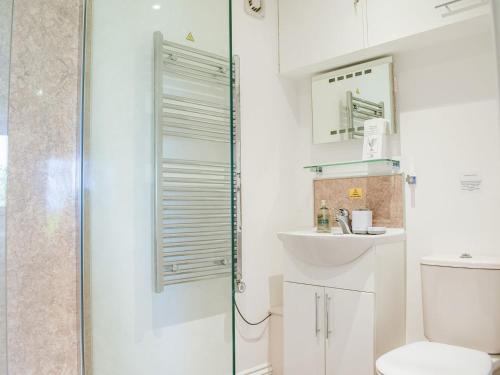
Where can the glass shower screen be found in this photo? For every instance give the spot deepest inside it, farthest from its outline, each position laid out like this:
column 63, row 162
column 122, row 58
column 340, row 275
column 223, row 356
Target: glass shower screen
column 158, row 229
column 5, row 37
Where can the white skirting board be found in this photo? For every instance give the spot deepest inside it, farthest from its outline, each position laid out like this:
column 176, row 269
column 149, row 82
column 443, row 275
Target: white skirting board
column 265, row 369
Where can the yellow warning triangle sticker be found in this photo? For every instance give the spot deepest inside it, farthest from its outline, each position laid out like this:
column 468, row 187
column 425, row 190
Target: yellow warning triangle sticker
column 355, row 193
column 190, row 37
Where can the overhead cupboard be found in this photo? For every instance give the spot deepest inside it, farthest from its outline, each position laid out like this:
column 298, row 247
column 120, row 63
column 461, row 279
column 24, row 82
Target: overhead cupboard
column 315, row 31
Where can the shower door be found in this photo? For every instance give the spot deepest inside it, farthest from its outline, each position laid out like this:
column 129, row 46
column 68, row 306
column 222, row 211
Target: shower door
column 158, row 229
column 5, row 37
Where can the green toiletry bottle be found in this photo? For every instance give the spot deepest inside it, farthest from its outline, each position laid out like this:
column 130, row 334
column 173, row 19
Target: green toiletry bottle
column 323, row 223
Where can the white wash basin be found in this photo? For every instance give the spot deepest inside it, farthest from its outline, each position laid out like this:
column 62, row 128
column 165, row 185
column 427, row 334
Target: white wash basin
column 333, row 249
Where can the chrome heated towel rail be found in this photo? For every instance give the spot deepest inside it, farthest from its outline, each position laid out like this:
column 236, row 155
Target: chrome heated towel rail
column 194, row 200
column 359, row 109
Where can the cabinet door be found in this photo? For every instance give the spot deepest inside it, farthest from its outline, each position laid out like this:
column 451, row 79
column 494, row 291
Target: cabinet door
column 389, row 20
column 349, row 319
column 303, row 329
column 312, row 31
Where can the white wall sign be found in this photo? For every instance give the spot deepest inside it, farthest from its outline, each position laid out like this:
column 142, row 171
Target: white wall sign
column 470, row 182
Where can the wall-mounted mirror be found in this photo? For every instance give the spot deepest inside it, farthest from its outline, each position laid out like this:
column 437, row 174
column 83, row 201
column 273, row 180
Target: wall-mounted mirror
column 343, row 99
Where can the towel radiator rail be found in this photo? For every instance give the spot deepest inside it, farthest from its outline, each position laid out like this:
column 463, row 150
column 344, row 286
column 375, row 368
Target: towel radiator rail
column 194, row 204
column 360, row 109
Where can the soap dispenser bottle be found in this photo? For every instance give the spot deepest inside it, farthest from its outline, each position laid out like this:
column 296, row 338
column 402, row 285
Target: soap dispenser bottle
column 324, row 224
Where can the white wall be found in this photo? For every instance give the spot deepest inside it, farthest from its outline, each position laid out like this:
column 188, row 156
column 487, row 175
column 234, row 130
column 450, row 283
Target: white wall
column 275, row 192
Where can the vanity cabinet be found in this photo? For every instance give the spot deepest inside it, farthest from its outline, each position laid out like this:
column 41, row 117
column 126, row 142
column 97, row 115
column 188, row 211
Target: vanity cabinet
column 317, row 31
column 340, row 316
column 328, row 331
column 350, row 332
column 303, row 329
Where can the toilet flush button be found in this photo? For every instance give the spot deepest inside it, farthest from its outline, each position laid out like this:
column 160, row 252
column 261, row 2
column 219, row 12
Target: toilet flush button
column 465, row 256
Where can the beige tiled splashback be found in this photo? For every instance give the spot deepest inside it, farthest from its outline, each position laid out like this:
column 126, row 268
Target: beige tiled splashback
column 381, row 194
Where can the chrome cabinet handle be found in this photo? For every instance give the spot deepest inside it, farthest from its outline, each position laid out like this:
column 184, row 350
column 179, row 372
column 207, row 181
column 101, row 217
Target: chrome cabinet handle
column 316, row 327
column 327, row 314
column 447, row 4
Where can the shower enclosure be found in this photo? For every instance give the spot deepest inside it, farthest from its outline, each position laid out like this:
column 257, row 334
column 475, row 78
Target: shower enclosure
column 160, row 183
column 5, row 38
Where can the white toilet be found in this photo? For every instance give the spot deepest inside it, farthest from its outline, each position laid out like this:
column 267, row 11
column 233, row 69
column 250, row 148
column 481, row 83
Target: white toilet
column 461, row 307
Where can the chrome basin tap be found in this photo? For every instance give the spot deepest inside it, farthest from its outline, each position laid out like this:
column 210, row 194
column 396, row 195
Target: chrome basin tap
column 342, row 217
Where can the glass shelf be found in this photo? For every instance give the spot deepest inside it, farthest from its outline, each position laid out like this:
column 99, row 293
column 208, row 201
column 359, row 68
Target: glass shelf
column 372, row 166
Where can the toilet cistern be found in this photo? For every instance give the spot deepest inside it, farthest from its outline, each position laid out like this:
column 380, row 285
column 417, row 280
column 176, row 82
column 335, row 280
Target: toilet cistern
column 456, row 288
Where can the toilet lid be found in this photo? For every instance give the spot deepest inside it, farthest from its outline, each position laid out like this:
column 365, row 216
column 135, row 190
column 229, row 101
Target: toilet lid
column 430, row 358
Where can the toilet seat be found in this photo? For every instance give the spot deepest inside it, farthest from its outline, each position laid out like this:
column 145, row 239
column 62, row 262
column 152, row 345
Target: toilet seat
column 495, row 359
column 430, row 358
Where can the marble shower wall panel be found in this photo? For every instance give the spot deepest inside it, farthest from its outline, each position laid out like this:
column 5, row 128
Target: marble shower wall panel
column 43, row 205
column 5, row 25
column 5, row 33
